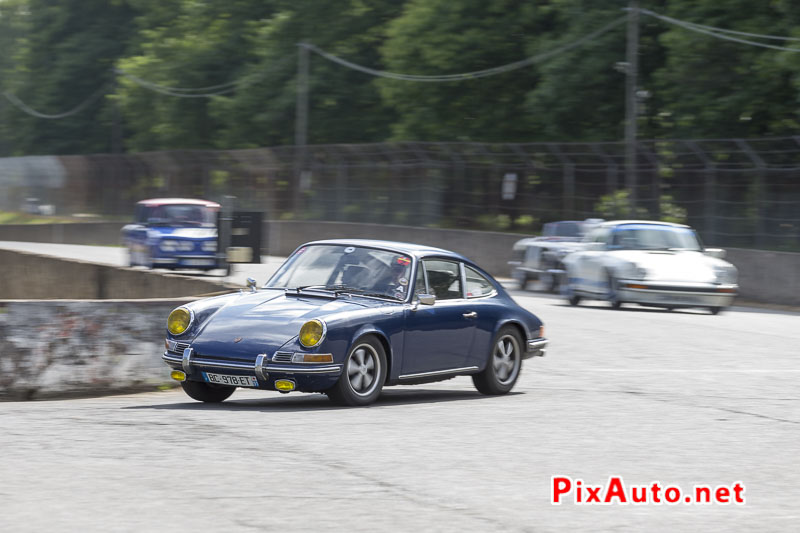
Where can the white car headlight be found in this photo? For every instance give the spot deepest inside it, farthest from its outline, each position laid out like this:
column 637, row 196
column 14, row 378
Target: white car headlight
column 209, row 246
column 726, row 274
column 185, row 246
column 633, row 271
column 168, row 246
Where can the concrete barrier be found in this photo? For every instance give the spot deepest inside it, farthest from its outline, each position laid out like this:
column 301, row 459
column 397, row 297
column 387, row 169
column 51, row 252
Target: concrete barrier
column 764, row 276
column 99, row 233
column 32, row 276
column 767, row 277
column 62, row 348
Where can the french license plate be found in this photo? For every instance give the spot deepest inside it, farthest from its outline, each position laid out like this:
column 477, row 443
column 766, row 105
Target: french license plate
column 198, row 262
column 235, row 381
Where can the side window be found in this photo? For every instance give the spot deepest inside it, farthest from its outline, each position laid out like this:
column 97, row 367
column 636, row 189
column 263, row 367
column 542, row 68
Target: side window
column 444, row 279
column 419, row 284
column 477, row 285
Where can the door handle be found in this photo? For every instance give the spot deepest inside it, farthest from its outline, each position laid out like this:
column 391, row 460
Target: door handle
column 471, row 314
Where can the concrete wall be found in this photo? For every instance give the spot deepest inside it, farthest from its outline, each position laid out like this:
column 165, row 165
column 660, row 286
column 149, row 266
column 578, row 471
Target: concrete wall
column 62, row 348
column 102, row 233
column 31, row 276
column 768, row 277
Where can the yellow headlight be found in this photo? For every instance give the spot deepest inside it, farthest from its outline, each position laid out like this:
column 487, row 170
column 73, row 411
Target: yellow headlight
column 311, row 333
column 179, row 321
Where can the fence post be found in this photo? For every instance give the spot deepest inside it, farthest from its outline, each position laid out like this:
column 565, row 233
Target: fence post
column 568, row 182
column 709, row 192
column 758, row 187
column 611, row 168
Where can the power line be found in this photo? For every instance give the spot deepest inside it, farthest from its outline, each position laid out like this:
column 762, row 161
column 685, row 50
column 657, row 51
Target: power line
column 77, row 109
column 721, row 33
column 468, row 75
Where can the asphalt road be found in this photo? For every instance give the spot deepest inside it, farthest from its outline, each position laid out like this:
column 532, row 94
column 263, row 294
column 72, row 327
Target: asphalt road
column 683, row 398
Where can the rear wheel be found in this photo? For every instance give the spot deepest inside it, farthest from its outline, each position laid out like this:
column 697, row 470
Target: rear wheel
column 715, row 310
column 363, row 374
column 207, row 392
column 505, row 362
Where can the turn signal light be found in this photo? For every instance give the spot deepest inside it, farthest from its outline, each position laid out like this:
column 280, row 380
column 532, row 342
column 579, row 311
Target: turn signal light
column 284, row 385
column 312, row 358
column 177, row 375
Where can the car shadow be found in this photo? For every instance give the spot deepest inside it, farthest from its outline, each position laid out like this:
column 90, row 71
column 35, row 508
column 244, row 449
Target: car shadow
column 320, row 402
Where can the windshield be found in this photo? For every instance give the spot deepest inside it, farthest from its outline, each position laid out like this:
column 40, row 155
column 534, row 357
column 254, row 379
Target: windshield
column 347, row 269
column 653, row 237
column 183, row 215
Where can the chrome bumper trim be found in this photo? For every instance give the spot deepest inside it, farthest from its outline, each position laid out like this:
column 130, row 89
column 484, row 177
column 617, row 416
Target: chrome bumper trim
column 259, row 368
column 536, row 347
column 440, row 372
column 285, row 369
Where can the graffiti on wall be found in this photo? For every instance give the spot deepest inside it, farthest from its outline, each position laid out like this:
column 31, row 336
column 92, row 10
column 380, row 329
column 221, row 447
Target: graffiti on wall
column 55, row 348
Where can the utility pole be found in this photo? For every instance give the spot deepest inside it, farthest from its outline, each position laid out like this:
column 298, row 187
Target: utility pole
column 301, row 123
column 631, row 111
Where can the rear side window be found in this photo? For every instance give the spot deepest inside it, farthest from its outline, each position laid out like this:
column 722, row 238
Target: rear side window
column 444, row 279
column 477, row 284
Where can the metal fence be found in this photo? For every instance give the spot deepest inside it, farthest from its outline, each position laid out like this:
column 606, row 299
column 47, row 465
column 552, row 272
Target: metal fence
column 736, row 192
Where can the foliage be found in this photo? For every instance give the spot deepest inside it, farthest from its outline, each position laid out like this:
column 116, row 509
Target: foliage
column 56, row 54
column 617, row 205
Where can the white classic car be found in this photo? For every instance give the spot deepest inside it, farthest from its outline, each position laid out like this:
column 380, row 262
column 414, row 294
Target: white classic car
column 650, row 263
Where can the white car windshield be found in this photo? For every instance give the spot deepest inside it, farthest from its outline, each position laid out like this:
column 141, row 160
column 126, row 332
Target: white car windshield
column 653, row 237
column 348, row 269
column 182, row 215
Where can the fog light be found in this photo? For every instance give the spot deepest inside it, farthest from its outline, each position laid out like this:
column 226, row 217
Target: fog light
column 284, row 385
column 177, row 375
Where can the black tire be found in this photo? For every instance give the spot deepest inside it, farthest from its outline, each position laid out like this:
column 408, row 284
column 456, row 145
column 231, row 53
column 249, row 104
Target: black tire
column 491, row 380
column 361, row 383
column 715, row 310
column 574, row 299
column 206, row 392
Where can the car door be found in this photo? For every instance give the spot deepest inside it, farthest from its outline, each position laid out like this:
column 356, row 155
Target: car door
column 592, row 271
column 438, row 337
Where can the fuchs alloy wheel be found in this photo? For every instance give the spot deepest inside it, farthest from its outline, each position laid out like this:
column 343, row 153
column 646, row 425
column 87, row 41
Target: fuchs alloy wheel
column 363, row 374
column 207, row 392
column 505, row 362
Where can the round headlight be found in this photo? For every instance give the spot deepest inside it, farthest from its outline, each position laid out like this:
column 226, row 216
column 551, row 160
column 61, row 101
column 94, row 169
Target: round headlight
column 210, row 246
column 168, row 246
column 312, row 333
column 179, row 321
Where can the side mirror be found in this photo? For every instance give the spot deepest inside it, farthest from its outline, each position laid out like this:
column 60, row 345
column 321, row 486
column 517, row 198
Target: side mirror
column 426, row 299
column 251, row 284
column 719, row 253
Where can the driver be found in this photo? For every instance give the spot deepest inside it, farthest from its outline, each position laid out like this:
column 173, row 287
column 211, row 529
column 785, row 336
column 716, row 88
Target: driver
column 394, row 280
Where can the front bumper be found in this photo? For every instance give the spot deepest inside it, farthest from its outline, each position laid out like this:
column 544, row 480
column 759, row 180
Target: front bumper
column 308, row 377
column 677, row 295
column 187, row 261
column 536, row 348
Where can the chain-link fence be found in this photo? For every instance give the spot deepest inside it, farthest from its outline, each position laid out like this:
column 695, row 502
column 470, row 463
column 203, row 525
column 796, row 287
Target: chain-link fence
column 736, row 192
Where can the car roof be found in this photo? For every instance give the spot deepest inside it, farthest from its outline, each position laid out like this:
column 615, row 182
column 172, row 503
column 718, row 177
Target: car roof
column 611, row 223
column 182, row 201
column 417, row 250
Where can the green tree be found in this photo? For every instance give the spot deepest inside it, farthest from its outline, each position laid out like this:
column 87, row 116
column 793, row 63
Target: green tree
column 446, row 37
column 65, row 57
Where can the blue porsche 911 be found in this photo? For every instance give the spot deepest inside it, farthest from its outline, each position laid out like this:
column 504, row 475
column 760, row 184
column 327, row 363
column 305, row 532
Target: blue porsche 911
column 348, row 317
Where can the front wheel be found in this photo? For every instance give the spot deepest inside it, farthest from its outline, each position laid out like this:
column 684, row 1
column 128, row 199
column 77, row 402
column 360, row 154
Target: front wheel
column 207, row 392
column 715, row 310
column 363, row 374
column 505, row 362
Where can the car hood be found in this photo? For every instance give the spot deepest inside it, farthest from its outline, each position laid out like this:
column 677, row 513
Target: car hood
column 262, row 322
column 675, row 265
